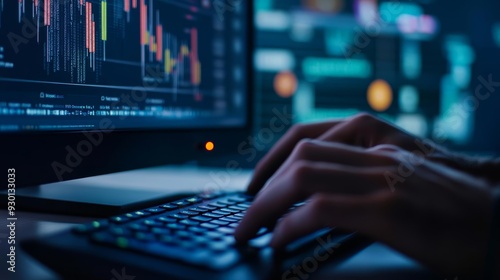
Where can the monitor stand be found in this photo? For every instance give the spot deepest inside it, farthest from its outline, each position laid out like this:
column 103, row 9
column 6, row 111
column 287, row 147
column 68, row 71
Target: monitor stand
column 113, row 194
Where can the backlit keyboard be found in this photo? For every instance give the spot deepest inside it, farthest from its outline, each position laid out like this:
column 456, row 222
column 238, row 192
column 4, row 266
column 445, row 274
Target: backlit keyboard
column 198, row 230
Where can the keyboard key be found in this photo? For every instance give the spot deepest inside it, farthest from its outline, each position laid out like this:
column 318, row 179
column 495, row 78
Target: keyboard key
column 132, row 216
column 218, row 246
column 261, row 241
column 238, row 199
column 200, row 240
column 138, row 227
column 169, row 206
column 187, row 244
column 226, row 202
column 226, row 230
column 143, row 236
column 262, row 231
column 229, row 219
column 209, row 226
column 176, row 226
column 237, row 218
column 229, row 211
column 234, row 225
column 119, row 231
column 182, row 203
column 178, row 216
column 156, row 210
column 168, row 239
column 94, row 226
column 103, row 237
column 208, row 195
column 201, row 218
column 220, row 223
column 229, row 240
column 152, row 223
column 119, row 219
column 217, row 205
column 214, row 234
column 207, row 207
column 194, row 200
column 241, row 215
column 239, row 208
column 160, row 231
column 198, row 230
column 245, row 205
column 142, row 213
column 212, row 215
column 185, row 235
column 166, row 219
column 199, row 210
column 189, row 222
column 188, row 213
column 218, row 212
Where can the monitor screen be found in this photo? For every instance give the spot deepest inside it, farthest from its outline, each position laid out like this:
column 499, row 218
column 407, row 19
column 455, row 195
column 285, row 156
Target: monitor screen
column 122, row 64
column 415, row 63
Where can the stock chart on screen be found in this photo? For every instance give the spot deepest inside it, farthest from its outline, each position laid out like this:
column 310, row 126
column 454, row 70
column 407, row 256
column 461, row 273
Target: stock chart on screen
column 68, row 64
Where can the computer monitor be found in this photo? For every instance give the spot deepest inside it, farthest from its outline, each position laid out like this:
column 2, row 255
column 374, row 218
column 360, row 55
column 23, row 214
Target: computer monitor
column 91, row 87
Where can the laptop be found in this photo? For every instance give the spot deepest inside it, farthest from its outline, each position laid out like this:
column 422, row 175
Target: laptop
column 91, row 87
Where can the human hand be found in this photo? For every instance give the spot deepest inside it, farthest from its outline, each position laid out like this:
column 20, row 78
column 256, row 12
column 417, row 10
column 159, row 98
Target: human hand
column 435, row 214
column 363, row 130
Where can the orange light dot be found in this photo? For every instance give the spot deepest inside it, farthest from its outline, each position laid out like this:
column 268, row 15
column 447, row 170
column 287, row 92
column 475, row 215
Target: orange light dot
column 285, row 84
column 380, row 95
column 209, row 146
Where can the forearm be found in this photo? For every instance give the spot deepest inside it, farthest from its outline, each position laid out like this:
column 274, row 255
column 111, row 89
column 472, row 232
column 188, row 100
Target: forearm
column 487, row 168
column 483, row 167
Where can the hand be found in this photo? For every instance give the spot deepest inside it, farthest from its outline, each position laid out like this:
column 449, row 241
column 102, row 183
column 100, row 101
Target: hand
column 362, row 130
column 435, row 214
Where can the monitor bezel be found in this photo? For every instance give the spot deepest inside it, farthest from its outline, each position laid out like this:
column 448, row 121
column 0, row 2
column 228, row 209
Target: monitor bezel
column 33, row 154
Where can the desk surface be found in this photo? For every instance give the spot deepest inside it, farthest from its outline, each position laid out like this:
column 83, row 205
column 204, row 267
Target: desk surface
column 373, row 262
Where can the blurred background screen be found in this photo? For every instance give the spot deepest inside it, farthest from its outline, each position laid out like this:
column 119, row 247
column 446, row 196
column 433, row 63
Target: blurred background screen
column 429, row 66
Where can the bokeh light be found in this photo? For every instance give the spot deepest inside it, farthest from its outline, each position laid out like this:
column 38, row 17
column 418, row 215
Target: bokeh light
column 380, row 95
column 326, row 6
column 285, row 84
column 408, row 99
column 209, row 146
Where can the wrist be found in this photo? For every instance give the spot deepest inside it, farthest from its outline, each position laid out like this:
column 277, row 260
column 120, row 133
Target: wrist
column 486, row 168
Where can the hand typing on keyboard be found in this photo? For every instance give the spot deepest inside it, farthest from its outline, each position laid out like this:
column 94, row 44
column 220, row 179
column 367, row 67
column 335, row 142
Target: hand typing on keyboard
column 365, row 175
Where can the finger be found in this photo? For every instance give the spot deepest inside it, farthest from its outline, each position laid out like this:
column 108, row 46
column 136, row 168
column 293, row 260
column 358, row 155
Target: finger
column 330, row 152
column 305, row 179
column 350, row 213
column 282, row 149
column 364, row 130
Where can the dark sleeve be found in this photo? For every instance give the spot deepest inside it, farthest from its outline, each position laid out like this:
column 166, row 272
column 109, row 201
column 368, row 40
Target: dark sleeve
column 493, row 260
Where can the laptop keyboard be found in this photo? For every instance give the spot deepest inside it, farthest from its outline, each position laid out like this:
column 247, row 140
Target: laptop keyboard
column 197, row 231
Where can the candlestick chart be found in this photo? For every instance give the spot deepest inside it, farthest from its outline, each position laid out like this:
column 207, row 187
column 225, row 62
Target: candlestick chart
column 117, row 43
